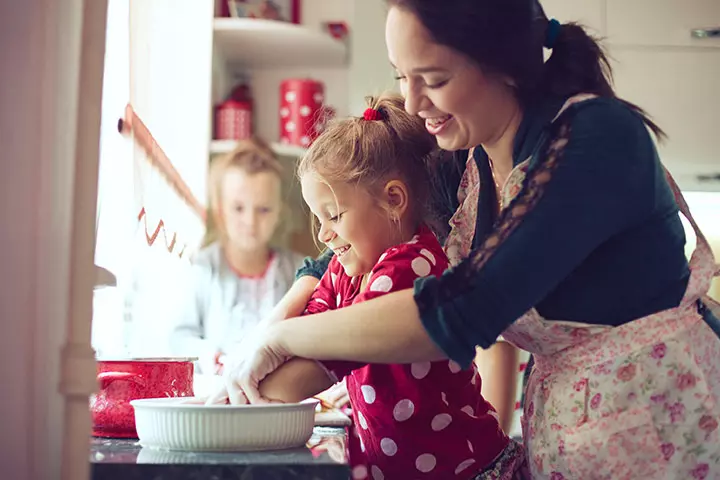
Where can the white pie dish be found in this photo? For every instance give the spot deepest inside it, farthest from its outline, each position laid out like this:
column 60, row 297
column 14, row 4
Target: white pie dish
column 179, row 424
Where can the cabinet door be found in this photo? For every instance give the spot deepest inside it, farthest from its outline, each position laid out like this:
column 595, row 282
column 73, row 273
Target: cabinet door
column 589, row 13
column 680, row 89
column 662, row 22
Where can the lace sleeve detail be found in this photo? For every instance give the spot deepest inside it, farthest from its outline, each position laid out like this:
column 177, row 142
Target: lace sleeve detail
column 512, row 216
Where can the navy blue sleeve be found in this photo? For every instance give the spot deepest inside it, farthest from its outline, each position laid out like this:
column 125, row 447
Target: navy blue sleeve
column 315, row 267
column 601, row 185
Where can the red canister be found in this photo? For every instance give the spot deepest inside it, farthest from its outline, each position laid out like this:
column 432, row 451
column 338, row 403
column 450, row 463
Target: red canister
column 233, row 120
column 302, row 115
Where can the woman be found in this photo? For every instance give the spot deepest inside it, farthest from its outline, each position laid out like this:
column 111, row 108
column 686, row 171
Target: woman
column 237, row 278
column 583, row 266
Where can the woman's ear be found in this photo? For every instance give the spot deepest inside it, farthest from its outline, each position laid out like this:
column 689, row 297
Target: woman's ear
column 396, row 199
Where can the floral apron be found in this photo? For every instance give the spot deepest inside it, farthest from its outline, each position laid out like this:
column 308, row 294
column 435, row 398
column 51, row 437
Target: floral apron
column 641, row 400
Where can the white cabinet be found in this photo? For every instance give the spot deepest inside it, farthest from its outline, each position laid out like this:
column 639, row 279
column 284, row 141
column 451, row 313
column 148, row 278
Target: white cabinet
column 661, row 23
column 673, row 76
column 680, row 89
column 660, row 66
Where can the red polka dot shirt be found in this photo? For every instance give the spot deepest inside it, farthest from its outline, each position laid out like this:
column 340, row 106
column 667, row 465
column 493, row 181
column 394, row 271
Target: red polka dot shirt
column 422, row 420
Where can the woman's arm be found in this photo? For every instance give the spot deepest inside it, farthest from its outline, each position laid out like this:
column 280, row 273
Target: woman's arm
column 295, row 381
column 383, row 330
column 498, row 368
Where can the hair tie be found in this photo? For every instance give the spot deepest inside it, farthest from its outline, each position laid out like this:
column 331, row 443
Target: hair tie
column 551, row 33
column 372, row 114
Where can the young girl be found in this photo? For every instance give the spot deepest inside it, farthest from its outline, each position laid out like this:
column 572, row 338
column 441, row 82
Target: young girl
column 364, row 181
column 237, row 278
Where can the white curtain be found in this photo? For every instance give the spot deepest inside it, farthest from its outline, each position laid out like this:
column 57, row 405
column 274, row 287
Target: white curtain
column 158, row 60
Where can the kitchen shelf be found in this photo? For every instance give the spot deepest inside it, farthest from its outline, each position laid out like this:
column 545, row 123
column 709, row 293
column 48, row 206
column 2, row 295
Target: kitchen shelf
column 253, row 43
column 218, row 147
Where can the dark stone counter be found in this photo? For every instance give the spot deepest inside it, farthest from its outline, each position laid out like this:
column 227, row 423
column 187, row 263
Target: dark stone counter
column 324, row 458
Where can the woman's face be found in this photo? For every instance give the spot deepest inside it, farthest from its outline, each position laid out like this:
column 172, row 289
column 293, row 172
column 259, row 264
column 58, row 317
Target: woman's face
column 461, row 105
column 250, row 207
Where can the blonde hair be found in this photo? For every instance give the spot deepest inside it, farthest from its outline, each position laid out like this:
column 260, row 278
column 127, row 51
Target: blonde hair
column 251, row 156
column 370, row 152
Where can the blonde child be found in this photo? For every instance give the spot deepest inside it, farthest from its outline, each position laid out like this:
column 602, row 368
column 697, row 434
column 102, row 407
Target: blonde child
column 237, row 278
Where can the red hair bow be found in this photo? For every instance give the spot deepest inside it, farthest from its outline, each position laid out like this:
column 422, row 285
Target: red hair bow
column 372, row 114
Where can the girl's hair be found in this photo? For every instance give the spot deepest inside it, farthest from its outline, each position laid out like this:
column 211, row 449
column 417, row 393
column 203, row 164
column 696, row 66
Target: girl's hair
column 507, row 37
column 251, row 156
column 369, row 152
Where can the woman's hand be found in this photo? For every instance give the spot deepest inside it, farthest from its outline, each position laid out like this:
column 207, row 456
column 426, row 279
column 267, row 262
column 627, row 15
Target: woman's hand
column 257, row 357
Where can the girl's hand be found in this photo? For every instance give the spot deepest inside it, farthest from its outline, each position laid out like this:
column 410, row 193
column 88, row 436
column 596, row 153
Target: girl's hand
column 258, row 356
column 337, row 395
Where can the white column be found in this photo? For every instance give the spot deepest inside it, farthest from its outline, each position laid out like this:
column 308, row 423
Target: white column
column 78, row 359
column 40, row 43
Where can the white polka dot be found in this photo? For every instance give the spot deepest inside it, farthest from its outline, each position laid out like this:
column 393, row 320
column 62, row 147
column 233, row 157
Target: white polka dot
column 468, row 409
column 444, row 398
column 359, row 472
column 363, row 422
column 290, row 126
column 425, row 462
column 428, row 254
column 368, row 393
column 454, row 366
column 494, row 415
column 470, row 447
column 382, row 257
column 305, row 140
column 333, row 279
column 338, row 301
column 318, row 97
column 420, row 370
column 284, row 112
column 383, row 283
column 403, row 410
column 362, row 445
column 440, row 422
column 464, row 465
column 421, row 267
column 388, row 446
column 322, row 302
column 289, row 96
column 474, row 378
column 377, row 473
column 413, row 240
column 305, row 110
column 285, row 140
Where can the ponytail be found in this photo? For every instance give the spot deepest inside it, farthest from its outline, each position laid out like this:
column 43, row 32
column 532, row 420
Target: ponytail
column 578, row 64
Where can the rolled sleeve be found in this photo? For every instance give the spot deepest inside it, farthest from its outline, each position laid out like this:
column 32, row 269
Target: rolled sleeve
column 315, row 267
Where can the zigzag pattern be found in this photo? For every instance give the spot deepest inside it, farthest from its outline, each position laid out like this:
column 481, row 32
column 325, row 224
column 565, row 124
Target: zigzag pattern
column 160, row 226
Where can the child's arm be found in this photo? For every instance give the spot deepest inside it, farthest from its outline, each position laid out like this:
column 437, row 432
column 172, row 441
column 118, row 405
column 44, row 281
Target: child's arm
column 295, row 381
column 498, row 368
column 294, row 301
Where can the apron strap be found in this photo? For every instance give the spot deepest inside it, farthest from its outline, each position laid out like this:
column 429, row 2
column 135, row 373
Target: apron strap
column 701, row 244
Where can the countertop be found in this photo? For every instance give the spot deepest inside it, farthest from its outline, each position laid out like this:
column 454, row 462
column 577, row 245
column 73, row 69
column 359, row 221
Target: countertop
column 324, row 458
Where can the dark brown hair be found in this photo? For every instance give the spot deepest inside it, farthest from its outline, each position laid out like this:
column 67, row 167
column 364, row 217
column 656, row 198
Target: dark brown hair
column 507, row 37
column 371, row 152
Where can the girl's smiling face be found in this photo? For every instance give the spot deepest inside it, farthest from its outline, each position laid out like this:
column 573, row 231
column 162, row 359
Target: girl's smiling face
column 353, row 223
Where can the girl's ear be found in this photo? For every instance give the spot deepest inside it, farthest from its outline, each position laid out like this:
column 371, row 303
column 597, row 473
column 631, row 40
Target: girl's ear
column 396, row 199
